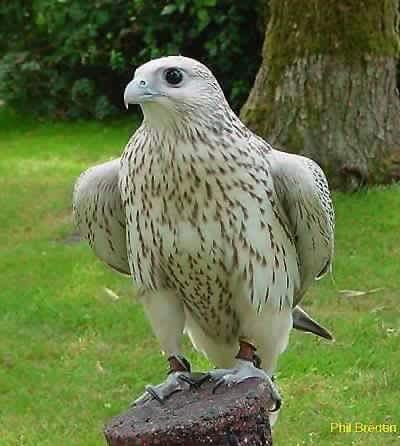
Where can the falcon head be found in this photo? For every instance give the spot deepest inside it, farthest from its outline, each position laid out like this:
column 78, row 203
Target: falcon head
column 174, row 84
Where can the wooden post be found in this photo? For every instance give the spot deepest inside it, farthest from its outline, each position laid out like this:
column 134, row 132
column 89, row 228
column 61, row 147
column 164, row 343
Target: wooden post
column 232, row 416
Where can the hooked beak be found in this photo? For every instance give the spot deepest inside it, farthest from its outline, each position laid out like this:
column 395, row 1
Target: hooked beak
column 137, row 92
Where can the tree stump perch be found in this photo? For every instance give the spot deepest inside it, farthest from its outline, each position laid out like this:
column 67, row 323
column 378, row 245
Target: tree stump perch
column 233, row 416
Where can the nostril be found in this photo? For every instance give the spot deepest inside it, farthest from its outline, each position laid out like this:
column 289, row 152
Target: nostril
column 142, row 83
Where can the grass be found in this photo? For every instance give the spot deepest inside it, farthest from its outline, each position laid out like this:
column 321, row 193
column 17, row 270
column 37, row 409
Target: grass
column 71, row 356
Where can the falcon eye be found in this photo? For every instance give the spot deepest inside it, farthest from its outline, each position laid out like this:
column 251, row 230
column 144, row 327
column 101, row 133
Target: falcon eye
column 173, row 76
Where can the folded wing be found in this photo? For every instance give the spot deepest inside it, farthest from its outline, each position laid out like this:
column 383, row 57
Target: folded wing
column 99, row 215
column 303, row 192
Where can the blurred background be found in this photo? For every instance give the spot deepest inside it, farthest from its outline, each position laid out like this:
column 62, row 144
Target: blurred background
column 72, row 59
column 327, row 71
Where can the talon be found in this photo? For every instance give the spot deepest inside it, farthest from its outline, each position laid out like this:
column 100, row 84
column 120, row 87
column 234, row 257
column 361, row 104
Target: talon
column 245, row 370
column 187, row 379
column 203, row 379
column 195, row 379
column 256, row 361
column 218, row 384
column 176, row 381
column 136, row 402
column 277, row 406
column 154, row 394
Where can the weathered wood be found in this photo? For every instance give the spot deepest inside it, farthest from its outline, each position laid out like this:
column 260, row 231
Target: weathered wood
column 230, row 416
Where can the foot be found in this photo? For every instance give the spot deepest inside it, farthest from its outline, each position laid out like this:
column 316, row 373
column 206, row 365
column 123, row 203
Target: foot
column 179, row 378
column 245, row 370
column 175, row 382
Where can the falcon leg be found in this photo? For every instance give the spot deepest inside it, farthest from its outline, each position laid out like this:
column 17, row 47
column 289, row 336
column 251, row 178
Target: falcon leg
column 179, row 378
column 247, row 366
column 166, row 315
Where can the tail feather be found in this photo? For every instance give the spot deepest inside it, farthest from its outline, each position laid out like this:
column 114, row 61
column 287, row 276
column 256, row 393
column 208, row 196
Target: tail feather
column 304, row 322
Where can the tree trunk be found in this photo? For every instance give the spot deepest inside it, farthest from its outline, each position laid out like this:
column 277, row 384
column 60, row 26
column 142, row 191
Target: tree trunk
column 327, row 87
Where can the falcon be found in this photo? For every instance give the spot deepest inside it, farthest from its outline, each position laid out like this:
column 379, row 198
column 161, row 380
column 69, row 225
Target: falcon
column 221, row 233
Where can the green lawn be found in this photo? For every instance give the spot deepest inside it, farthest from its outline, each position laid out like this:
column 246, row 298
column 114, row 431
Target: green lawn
column 72, row 356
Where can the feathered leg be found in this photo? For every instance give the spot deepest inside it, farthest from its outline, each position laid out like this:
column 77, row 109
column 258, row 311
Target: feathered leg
column 269, row 333
column 167, row 318
column 246, row 367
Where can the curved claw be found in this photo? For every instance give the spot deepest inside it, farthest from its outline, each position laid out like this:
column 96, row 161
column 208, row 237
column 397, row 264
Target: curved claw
column 150, row 389
column 218, row 384
column 141, row 400
column 245, row 370
column 205, row 377
column 195, row 379
column 277, row 406
column 175, row 382
column 187, row 379
column 256, row 361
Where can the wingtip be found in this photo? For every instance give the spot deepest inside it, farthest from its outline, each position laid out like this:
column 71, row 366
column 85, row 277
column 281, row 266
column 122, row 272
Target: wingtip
column 304, row 322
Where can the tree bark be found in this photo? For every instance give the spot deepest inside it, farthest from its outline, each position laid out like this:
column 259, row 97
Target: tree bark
column 327, row 87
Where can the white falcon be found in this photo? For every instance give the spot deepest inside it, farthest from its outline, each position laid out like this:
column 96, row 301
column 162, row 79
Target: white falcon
column 221, row 233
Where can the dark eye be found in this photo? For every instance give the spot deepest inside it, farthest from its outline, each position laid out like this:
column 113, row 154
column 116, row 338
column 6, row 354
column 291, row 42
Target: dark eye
column 173, row 76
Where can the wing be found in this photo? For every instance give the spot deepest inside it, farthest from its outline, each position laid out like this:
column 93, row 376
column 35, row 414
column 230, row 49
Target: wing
column 99, row 215
column 303, row 192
